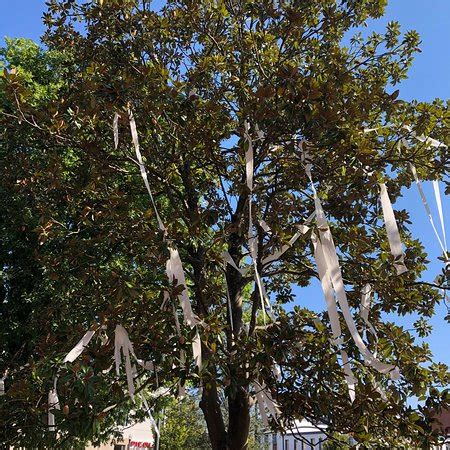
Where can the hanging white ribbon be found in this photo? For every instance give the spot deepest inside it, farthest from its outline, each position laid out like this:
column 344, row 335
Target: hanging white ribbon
column 393, row 234
column 427, row 208
column 333, row 269
column 53, row 403
column 70, row 357
column 275, row 255
column 2, row 383
column 116, row 130
column 228, row 259
column 437, row 195
column 78, row 349
column 265, row 400
column 251, row 236
column 174, row 270
column 336, row 330
column 135, row 138
column 364, row 310
column 425, row 139
column 265, row 227
column 174, row 267
column 123, row 344
column 338, row 285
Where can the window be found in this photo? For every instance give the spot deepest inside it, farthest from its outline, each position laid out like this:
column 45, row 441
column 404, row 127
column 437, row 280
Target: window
column 274, row 442
column 295, row 444
column 313, row 443
column 119, row 447
column 286, row 444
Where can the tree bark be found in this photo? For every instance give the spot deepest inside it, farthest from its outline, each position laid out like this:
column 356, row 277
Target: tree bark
column 213, row 416
column 239, row 420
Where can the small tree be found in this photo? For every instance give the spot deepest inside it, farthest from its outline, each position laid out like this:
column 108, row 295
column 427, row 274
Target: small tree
column 81, row 247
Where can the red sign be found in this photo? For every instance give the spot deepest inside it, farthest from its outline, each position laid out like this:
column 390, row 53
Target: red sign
column 134, row 445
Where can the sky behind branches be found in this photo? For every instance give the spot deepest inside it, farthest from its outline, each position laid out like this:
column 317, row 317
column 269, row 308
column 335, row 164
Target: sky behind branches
column 428, row 79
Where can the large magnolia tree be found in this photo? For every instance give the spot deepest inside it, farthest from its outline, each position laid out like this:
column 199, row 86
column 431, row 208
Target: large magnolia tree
column 213, row 86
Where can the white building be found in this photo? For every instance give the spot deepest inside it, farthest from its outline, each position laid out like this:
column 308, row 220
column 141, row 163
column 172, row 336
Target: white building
column 303, row 435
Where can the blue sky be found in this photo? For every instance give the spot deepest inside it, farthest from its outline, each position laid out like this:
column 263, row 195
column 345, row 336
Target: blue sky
column 428, row 79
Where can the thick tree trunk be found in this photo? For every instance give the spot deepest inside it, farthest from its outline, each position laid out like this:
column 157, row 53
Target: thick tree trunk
column 213, row 416
column 239, row 421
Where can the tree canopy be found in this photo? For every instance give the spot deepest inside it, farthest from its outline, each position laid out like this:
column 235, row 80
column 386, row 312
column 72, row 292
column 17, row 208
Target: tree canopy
column 205, row 82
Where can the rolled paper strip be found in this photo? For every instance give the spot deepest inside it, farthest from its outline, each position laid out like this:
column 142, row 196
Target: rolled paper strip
column 364, row 310
column 349, row 377
column 228, row 259
column 427, row 208
column 174, row 270
column 327, row 288
column 264, row 226
column 122, row 343
column 252, row 242
column 78, row 349
column 278, row 253
column 116, row 130
column 265, row 397
column 258, row 283
column 197, row 350
column 53, row 403
column 370, row 130
column 332, row 262
column 426, row 139
column 336, row 330
column 135, row 138
column 393, row 234
column 437, row 195
column 147, row 365
column 266, row 300
column 332, row 267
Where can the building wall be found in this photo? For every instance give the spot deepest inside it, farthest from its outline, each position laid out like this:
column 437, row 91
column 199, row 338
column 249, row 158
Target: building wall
column 312, row 441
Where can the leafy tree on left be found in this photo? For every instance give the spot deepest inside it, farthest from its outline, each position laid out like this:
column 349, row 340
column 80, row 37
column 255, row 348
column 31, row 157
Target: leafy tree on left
column 39, row 192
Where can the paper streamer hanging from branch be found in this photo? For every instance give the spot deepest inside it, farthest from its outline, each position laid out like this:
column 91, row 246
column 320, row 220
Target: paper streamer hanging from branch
column 265, row 401
column 327, row 288
column 123, row 345
column 364, row 310
column 393, row 235
column 429, row 142
column 53, row 401
column 251, row 235
column 135, row 138
column 326, row 246
column 174, row 268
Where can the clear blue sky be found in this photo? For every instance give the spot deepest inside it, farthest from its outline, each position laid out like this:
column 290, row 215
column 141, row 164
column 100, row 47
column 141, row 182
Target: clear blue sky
column 429, row 78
